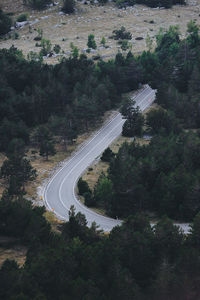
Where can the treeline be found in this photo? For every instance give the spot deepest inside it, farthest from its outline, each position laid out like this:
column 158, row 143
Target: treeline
column 173, row 69
column 70, row 96
column 135, row 261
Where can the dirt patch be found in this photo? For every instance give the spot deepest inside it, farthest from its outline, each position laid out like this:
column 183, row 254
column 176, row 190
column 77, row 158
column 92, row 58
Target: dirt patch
column 101, row 21
column 15, row 6
column 17, row 253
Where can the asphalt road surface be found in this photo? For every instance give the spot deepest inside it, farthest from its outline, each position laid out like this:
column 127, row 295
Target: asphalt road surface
column 59, row 194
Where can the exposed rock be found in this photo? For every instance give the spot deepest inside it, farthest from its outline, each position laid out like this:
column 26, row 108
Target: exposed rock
column 21, row 24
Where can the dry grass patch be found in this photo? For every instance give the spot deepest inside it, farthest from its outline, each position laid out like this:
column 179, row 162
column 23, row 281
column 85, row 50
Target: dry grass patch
column 53, row 220
column 153, row 106
column 17, row 253
column 94, row 171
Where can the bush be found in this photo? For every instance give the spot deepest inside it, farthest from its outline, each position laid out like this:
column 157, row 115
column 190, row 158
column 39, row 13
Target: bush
column 68, row 6
column 107, row 155
column 5, row 23
column 122, row 34
column 89, row 199
column 46, row 47
column 40, row 35
column 22, row 18
column 83, row 187
column 56, row 49
column 91, row 42
column 37, row 4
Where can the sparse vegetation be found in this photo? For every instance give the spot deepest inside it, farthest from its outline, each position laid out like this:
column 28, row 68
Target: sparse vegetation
column 22, row 18
column 122, row 34
column 40, row 35
column 46, row 47
column 57, row 48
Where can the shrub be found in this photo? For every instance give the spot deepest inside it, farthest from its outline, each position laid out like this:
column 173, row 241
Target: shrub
column 122, row 34
column 91, row 42
column 89, row 199
column 107, row 155
column 56, row 48
column 125, row 45
column 46, row 47
column 103, row 41
column 22, row 18
column 39, row 36
column 68, row 6
column 83, row 187
column 16, row 36
column 5, row 23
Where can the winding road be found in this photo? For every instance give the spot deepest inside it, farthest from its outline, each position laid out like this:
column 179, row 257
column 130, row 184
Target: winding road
column 59, row 193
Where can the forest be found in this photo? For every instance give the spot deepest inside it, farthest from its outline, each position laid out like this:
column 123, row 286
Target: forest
column 163, row 177
column 135, row 260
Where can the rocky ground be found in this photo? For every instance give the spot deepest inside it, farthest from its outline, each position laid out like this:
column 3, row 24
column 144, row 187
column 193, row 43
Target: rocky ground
column 63, row 29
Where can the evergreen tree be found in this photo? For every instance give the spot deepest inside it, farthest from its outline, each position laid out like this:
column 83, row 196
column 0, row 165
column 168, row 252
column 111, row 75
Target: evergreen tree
column 107, row 155
column 134, row 123
column 5, row 23
column 91, row 42
column 68, row 6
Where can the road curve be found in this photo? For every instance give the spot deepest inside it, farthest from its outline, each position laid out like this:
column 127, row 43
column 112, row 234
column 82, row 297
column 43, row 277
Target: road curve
column 59, row 193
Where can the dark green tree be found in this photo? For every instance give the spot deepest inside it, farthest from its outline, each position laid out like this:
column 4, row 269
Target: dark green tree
column 122, row 34
column 168, row 240
column 17, row 170
column 103, row 192
column 193, row 38
column 161, row 121
column 47, row 148
column 91, row 42
column 107, row 155
column 68, row 6
column 133, row 126
column 43, row 138
column 5, row 23
column 83, row 187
